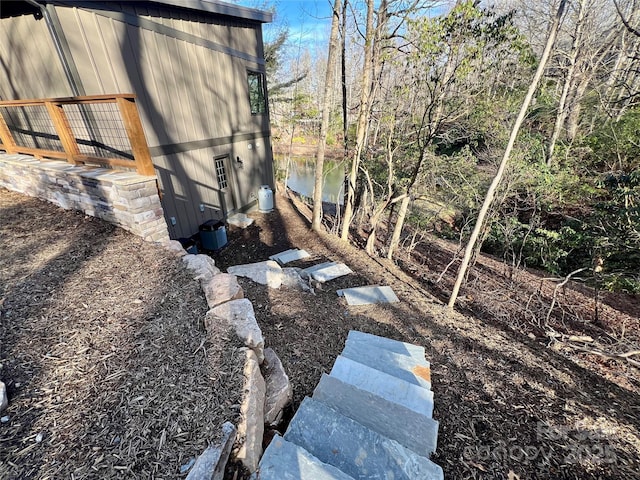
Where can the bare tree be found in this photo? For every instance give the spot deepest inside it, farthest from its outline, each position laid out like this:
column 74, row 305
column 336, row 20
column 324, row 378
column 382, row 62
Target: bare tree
column 329, row 86
column 599, row 59
column 625, row 20
column 362, row 122
column 568, row 79
column 450, row 58
column 505, row 159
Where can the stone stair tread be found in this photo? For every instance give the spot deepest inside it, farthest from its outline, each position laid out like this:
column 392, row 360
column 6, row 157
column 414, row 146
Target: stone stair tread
column 326, row 271
column 412, row 430
column 407, row 368
column 239, row 220
column 394, row 346
column 387, row 386
column 289, row 256
column 353, row 448
column 284, row 252
column 283, row 460
column 331, row 272
column 368, row 295
column 319, row 266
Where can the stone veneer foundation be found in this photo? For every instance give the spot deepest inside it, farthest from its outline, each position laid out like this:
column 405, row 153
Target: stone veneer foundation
column 125, row 199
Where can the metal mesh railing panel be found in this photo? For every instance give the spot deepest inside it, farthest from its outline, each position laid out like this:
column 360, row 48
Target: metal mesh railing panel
column 99, row 130
column 32, row 127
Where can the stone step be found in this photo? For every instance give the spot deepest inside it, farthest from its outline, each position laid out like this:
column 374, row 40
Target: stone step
column 284, row 460
column 327, row 271
column 285, row 252
column 407, row 368
column 289, row 256
column 387, row 386
column 319, row 266
column 353, row 448
column 239, row 220
column 394, row 346
column 407, row 427
column 369, row 295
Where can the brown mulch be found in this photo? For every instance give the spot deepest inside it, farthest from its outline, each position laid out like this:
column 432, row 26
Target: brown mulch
column 512, row 402
column 102, row 346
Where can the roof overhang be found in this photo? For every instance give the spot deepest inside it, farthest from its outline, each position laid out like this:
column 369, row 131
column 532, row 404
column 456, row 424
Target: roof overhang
column 14, row 8
column 222, row 8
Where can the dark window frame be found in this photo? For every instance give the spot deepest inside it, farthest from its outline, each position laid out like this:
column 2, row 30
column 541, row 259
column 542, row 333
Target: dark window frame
column 257, row 96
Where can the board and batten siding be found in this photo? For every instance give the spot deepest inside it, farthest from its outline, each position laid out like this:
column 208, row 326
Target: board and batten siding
column 28, row 62
column 198, row 166
column 198, row 92
column 193, row 100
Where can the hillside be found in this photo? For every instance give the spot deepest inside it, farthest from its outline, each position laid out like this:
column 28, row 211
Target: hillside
column 518, row 395
column 513, row 402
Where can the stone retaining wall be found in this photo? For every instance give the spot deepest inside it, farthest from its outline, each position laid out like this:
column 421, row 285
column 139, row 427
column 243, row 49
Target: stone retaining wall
column 125, row 199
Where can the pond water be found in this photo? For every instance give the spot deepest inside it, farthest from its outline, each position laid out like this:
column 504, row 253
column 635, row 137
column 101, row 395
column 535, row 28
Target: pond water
column 301, row 179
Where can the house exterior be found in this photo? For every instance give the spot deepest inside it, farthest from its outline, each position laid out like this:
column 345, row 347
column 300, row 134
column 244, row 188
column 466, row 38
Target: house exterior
column 198, row 72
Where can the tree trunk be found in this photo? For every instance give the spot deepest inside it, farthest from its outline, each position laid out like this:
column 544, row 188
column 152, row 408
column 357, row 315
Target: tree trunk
column 329, row 83
column 392, row 212
column 568, row 80
column 397, row 231
column 505, row 159
column 575, row 108
column 377, row 214
column 362, row 124
column 614, row 75
column 399, row 225
column 432, row 119
column 343, row 74
column 375, row 219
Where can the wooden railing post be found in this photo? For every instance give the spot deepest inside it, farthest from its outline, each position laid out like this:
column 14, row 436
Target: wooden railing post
column 135, row 132
column 8, row 143
column 63, row 129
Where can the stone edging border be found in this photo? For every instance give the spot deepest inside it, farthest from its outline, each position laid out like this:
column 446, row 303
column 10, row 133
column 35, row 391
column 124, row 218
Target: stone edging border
column 263, row 399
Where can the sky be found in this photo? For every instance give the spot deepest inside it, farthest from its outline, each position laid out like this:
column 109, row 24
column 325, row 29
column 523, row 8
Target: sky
column 309, row 21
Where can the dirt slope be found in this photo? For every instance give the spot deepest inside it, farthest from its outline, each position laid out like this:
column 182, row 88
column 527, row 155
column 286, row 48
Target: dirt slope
column 511, row 402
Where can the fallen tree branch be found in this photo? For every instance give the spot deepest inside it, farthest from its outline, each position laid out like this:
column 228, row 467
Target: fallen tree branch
column 629, row 354
column 555, row 292
column 616, row 356
column 570, row 338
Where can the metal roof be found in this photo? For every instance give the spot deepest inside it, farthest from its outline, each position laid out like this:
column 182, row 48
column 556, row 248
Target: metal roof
column 221, row 8
column 11, row 8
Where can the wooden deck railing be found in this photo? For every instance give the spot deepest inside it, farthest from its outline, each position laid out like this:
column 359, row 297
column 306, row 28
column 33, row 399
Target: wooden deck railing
column 100, row 130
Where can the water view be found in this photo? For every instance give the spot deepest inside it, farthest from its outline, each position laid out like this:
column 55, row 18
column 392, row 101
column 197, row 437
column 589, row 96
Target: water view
column 300, row 179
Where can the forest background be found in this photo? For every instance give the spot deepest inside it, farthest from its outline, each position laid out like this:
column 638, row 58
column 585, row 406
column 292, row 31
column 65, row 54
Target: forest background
column 419, row 98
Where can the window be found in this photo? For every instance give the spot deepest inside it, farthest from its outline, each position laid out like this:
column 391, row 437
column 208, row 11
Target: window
column 256, row 93
column 221, row 173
